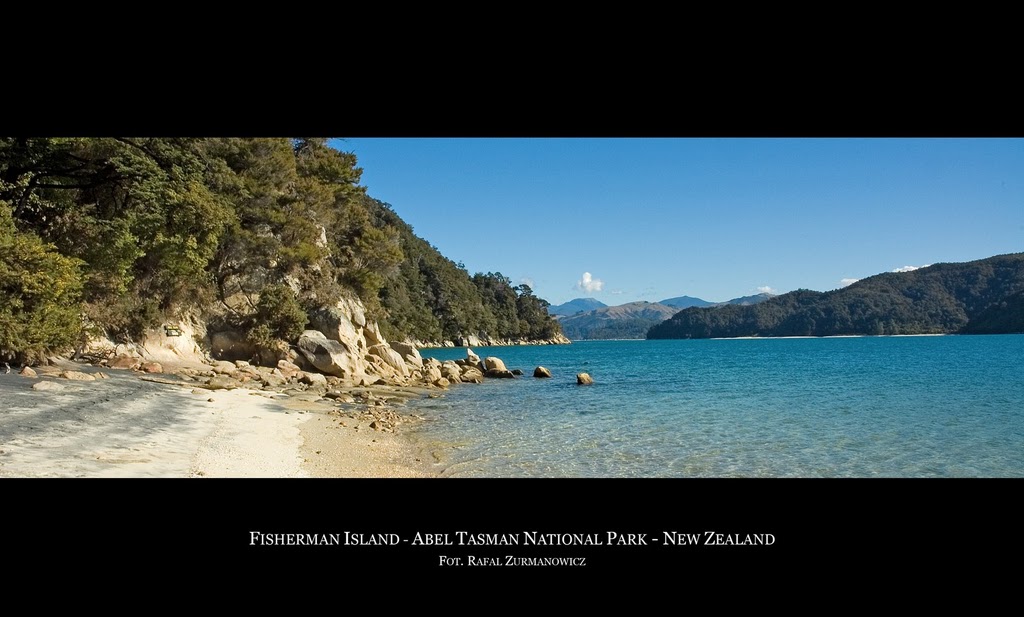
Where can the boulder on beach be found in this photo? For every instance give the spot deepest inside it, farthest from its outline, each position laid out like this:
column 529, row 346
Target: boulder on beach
column 409, row 353
column 329, row 357
column 223, row 367
column 123, row 362
column 584, row 379
column 391, row 357
column 313, row 379
column 151, row 367
column 542, row 372
column 288, row 369
column 220, row 382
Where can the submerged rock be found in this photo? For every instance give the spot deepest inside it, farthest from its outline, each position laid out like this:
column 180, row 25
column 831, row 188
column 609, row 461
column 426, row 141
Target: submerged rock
column 584, row 379
column 542, row 372
column 500, row 373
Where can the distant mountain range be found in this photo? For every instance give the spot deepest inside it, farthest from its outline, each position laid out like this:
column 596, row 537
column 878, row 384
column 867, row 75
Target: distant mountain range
column 576, row 306
column 983, row 296
column 631, row 320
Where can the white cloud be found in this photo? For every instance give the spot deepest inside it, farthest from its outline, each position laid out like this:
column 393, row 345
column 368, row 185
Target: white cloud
column 764, row 289
column 910, row 268
column 589, row 284
column 847, row 282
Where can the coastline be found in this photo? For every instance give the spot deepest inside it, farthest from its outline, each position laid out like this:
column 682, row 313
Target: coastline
column 129, row 427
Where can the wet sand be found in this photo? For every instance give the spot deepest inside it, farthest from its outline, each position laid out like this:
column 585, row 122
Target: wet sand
column 126, row 426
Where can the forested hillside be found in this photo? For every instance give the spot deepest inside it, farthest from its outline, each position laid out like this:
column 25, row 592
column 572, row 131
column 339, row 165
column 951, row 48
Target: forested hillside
column 973, row 297
column 116, row 235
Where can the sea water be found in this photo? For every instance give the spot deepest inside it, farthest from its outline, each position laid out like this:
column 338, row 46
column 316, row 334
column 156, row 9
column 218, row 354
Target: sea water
column 929, row 406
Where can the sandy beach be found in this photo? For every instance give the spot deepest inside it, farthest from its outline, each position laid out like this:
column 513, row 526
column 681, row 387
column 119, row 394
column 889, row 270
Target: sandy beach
column 131, row 427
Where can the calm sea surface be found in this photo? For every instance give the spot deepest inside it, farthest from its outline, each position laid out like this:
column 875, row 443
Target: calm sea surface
column 950, row 406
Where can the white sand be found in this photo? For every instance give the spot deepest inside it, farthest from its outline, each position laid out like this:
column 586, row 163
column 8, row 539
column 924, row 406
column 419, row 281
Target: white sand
column 126, row 427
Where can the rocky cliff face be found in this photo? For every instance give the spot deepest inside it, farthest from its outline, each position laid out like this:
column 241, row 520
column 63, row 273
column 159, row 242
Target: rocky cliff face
column 340, row 342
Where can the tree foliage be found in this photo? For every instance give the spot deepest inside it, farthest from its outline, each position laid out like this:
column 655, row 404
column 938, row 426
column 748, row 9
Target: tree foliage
column 129, row 231
column 39, row 292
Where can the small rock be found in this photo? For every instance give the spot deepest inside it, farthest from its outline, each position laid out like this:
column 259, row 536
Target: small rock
column 541, row 372
column 77, row 376
column 221, row 382
column 500, row 373
column 584, row 379
column 48, row 385
column 313, row 379
column 152, row 367
column 516, row 371
column 27, row 371
column 123, row 361
column 101, row 375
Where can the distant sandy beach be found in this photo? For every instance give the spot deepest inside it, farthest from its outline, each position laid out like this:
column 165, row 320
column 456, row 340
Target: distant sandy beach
column 128, row 427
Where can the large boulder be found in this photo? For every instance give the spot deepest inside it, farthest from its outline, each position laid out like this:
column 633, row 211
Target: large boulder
column 432, row 371
column 540, row 371
column 336, row 323
column 584, row 379
column 451, row 371
column 471, row 374
column 472, row 357
column 391, row 357
column 494, row 364
column 328, row 356
column 409, row 353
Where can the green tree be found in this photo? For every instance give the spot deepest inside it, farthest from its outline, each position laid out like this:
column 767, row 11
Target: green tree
column 39, row 295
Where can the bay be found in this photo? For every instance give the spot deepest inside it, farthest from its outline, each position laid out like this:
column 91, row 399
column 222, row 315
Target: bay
column 929, row 406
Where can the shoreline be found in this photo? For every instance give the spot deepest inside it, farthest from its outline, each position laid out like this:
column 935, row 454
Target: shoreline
column 132, row 425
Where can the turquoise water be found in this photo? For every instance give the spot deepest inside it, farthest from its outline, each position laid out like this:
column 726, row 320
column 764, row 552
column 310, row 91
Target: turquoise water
column 950, row 406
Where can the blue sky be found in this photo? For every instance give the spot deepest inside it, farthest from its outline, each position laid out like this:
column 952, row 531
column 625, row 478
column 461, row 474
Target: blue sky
column 651, row 219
